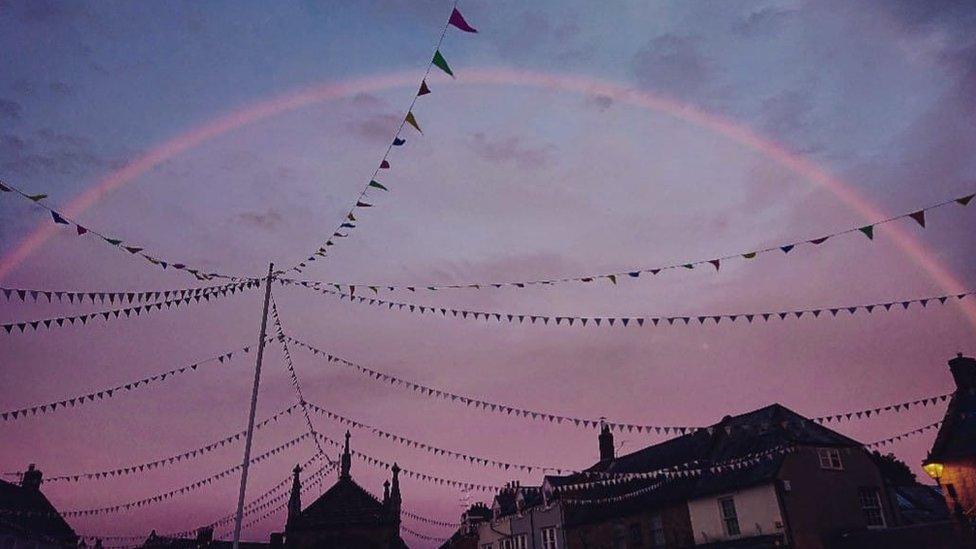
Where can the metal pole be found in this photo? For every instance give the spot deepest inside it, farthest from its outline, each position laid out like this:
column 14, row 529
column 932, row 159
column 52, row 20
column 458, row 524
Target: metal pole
column 254, row 405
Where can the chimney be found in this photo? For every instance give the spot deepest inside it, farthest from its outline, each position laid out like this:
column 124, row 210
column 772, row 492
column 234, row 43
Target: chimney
column 395, row 499
column 345, row 461
column 386, row 492
column 32, row 478
column 295, row 499
column 606, row 443
column 963, row 370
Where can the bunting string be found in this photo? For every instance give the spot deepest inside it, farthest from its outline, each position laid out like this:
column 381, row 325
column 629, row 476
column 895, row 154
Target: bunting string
column 431, row 479
column 919, row 216
column 364, row 200
column 31, row 411
column 424, row 537
column 27, row 295
column 184, row 489
column 896, row 438
column 635, row 321
column 155, row 464
column 431, row 521
column 205, row 294
column 294, row 376
column 867, row 413
column 468, row 458
column 333, row 360
column 131, row 249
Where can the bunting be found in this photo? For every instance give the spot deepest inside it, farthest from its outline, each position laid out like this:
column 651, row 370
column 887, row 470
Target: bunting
column 351, row 218
column 713, row 263
column 425, row 537
column 128, row 248
column 430, row 479
column 467, row 458
column 426, row 520
column 897, row 438
column 483, row 405
column 206, row 294
column 104, row 394
column 156, row 464
column 867, row 413
column 29, row 295
column 152, row 500
column 630, row 321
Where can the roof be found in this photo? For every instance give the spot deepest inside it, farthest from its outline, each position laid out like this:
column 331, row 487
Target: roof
column 957, row 435
column 920, row 503
column 28, row 511
column 345, row 504
column 767, row 428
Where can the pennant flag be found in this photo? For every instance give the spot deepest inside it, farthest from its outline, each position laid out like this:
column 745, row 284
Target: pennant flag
column 39, row 197
column 424, row 90
column 385, row 165
column 413, row 121
column 868, row 231
column 441, row 63
column 398, row 142
column 458, row 21
column 58, row 219
column 919, row 217
column 965, row 200
column 376, row 184
column 820, row 240
column 786, row 249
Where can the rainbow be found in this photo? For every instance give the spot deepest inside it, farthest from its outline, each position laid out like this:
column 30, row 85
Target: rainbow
column 493, row 76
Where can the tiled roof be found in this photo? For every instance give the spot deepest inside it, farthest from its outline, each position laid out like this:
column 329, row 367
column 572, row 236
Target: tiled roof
column 345, row 504
column 28, row 511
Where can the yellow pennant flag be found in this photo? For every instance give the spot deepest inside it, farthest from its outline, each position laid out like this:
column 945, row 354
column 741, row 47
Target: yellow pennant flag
column 413, row 121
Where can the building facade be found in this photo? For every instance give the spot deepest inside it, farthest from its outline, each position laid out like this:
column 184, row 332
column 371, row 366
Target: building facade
column 27, row 518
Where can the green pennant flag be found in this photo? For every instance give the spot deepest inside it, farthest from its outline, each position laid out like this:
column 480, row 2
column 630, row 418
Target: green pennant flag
column 868, row 231
column 378, row 185
column 441, row 63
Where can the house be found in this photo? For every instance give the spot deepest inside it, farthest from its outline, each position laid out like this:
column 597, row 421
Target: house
column 466, row 536
column 27, row 518
column 346, row 515
column 203, row 540
column 952, row 459
column 766, row 478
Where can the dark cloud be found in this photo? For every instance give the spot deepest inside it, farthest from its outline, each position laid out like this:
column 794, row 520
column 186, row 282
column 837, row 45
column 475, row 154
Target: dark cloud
column 600, row 102
column 49, row 152
column 375, row 127
column 675, row 65
column 268, row 220
column 10, row 109
column 511, row 149
column 763, row 23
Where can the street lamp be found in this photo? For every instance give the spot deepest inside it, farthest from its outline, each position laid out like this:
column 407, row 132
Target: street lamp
column 933, row 470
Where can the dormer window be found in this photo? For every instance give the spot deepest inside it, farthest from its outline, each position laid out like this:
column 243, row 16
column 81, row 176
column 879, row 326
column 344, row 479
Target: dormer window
column 830, row 459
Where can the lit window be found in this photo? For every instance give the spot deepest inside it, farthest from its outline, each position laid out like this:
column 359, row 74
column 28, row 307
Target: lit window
column 730, row 519
column 871, row 507
column 549, row 538
column 657, row 531
column 830, row 459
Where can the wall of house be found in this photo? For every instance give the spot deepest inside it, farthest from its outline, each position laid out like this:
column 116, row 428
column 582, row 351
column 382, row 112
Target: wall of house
column 757, row 509
column 822, row 504
column 533, row 520
column 961, row 474
column 604, row 534
column 493, row 531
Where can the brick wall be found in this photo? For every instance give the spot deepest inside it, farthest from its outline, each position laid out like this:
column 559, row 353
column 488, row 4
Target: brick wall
column 961, row 475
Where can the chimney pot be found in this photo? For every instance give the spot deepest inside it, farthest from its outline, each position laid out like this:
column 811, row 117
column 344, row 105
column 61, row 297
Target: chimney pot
column 32, row 478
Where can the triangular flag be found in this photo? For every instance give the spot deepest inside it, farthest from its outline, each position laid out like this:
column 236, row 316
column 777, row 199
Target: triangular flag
column 398, row 142
column 376, row 184
column 965, row 200
column 919, row 217
column 868, row 231
column 58, row 219
column 458, row 21
column 424, row 90
column 409, row 119
column 441, row 63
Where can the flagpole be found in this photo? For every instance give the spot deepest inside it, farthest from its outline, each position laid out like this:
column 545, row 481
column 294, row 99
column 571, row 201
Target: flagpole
column 254, row 404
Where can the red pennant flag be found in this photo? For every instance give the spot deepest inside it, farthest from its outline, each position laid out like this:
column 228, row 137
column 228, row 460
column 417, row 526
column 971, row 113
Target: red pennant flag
column 458, row 21
column 919, row 217
column 424, row 90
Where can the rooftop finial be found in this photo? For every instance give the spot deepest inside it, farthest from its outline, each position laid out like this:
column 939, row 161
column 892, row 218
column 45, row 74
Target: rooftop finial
column 346, row 460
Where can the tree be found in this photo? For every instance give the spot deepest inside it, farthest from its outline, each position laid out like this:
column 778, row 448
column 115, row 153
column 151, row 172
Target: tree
column 893, row 469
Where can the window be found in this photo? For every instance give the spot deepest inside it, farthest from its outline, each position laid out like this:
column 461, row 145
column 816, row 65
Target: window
column 871, row 507
column 830, row 459
column 636, row 539
column 487, row 546
column 549, row 538
column 657, row 532
column 729, row 517
column 519, row 542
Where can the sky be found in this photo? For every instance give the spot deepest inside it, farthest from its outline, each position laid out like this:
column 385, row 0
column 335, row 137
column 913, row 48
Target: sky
column 574, row 140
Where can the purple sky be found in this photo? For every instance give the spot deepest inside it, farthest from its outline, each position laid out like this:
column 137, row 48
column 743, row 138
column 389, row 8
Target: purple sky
column 509, row 181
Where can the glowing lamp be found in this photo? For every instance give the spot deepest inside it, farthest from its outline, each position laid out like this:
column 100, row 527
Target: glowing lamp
column 934, row 470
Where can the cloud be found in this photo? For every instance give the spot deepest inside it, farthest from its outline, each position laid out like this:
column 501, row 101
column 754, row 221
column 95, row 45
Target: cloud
column 674, row 64
column 511, row 149
column 375, row 127
column 48, row 152
column 763, row 23
column 10, row 109
column 600, row 102
column 268, row 220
